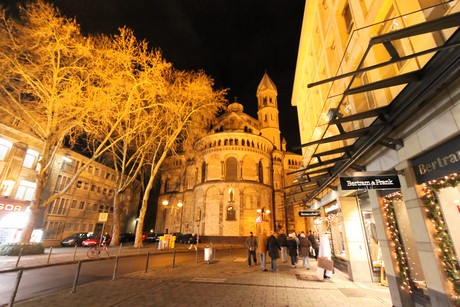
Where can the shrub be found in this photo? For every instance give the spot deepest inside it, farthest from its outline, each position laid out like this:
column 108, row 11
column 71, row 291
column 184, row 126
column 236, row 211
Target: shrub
column 13, row 249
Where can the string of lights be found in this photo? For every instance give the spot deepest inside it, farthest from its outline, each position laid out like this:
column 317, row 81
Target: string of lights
column 441, row 233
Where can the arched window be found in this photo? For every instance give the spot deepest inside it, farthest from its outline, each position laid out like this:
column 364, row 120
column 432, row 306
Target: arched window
column 261, row 172
column 231, row 169
column 203, row 172
column 231, row 213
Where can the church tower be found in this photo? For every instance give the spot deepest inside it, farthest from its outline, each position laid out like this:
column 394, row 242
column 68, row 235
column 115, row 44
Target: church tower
column 268, row 111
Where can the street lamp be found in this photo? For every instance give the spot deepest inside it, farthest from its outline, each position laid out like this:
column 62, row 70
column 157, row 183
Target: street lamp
column 180, row 204
column 261, row 218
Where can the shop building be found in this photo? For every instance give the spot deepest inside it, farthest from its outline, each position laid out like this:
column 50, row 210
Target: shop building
column 378, row 99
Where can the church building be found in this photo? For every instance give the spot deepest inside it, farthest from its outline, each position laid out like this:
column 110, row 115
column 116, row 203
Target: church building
column 235, row 184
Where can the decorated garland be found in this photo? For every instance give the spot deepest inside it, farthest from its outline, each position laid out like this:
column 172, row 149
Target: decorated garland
column 401, row 257
column 441, row 234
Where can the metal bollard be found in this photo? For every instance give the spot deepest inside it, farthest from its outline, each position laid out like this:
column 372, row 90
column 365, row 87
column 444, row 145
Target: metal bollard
column 75, row 252
column 115, row 268
column 119, row 249
column 147, row 262
column 196, row 255
column 49, row 256
column 19, row 257
column 174, row 259
column 139, row 249
column 15, row 290
column 77, row 275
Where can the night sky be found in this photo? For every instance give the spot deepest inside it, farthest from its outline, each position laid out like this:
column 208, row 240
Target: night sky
column 233, row 41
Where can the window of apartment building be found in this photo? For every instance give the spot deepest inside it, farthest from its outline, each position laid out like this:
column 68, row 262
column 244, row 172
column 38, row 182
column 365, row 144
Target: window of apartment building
column 90, row 227
column 30, row 158
column 85, row 186
column 5, row 147
column 59, row 206
column 90, row 169
column 107, row 176
column 101, row 208
column 53, row 229
column 104, row 191
column 68, row 226
column 26, row 190
column 96, row 172
column 69, row 165
column 99, row 190
column 76, row 226
column 79, row 184
column 110, row 192
column 74, row 204
column 113, row 177
column 82, row 205
column 346, row 13
column 62, row 181
column 83, row 227
column 93, row 188
column 95, row 207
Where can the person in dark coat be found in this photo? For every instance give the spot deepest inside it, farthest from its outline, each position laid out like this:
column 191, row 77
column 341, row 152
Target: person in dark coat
column 314, row 244
column 193, row 241
column 305, row 250
column 273, row 248
column 251, row 244
column 282, row 242
column 292, row 249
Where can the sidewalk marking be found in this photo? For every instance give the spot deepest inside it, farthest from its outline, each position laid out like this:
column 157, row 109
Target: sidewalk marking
column 211, row 280
column 240, row 259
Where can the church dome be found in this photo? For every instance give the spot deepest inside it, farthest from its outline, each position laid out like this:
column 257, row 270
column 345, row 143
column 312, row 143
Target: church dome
column 235, row 107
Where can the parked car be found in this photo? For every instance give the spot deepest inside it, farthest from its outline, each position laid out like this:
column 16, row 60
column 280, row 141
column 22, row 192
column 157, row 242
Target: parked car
column 153, row 237
column 76, row 239
column 184, row 238
column 95, row 240
column 127, row 237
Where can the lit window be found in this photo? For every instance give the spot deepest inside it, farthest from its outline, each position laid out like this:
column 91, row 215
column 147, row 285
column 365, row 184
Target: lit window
column 30, row 158
column 5, row 146
column 26, row 190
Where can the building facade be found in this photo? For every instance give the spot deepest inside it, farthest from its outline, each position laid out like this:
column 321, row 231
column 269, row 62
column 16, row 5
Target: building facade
column 235, row 182
column 78, row 210
column 378, row 98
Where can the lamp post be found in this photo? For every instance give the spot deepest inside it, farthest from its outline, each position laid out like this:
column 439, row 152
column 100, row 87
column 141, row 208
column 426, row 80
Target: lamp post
column 261, row 218
column 180, row 205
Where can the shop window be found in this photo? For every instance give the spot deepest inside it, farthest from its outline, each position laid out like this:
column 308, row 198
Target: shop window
column 5, row 147
column 26, row 190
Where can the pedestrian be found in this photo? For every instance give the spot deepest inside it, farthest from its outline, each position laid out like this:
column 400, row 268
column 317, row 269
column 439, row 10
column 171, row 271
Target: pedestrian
column 292, row 248
column 305, row 246
column 282, row 242
column 251, row 244
column 262, row 241
column 273, row 248
column 324, row 252
column 314, row 244
column 193, row 241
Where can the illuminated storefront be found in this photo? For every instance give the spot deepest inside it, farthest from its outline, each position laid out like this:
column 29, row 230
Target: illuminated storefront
column 13, row 217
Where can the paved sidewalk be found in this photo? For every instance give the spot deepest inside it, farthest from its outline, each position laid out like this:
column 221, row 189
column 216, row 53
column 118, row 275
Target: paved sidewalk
column 227, row 281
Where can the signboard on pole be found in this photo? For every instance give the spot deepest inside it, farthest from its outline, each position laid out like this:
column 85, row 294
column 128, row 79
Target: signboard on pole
column 103, row 217
column 309, row 213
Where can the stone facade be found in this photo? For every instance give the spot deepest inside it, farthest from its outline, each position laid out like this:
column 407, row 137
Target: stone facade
column 235, row 183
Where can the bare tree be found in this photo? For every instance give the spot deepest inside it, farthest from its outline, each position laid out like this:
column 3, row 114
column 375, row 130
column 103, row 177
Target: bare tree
column 133, row 79
column 187, row 109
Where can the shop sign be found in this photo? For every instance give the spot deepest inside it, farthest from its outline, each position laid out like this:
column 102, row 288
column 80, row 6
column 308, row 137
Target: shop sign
column 438, row 162
column 380, row 182
column 307, row 213
column 9, row 206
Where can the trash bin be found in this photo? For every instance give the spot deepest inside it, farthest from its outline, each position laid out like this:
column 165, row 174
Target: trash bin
column 173, row 242
column 207, row 254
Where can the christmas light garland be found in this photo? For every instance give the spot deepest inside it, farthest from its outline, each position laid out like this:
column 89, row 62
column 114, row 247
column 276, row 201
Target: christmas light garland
column 441, row 234
column 401, row 257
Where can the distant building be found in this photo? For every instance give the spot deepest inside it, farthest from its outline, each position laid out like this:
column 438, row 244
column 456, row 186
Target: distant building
column 235, row 183
column 76, row 211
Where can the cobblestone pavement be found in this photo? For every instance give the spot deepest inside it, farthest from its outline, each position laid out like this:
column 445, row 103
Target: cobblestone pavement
column 226, row 281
